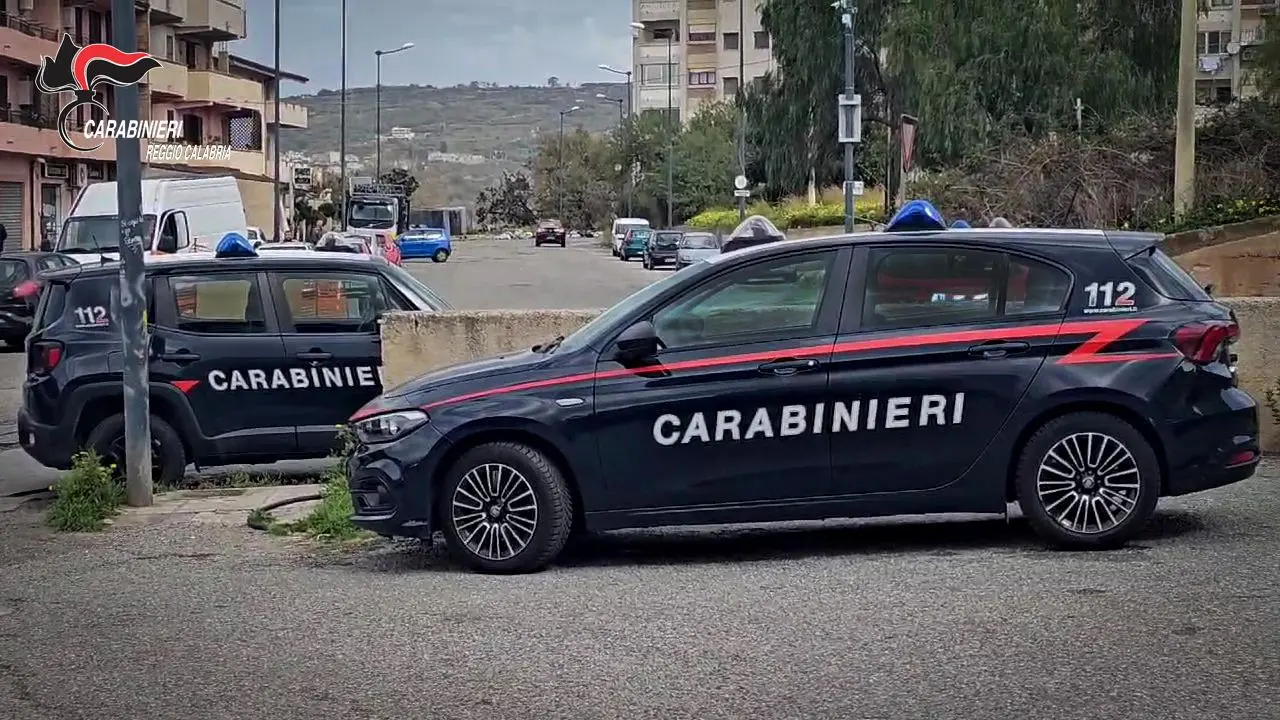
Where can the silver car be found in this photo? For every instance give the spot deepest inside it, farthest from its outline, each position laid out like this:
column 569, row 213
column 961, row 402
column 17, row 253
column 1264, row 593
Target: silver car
column 696, row 246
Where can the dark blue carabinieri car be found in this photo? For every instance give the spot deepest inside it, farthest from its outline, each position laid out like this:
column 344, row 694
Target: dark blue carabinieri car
column 1081, row 374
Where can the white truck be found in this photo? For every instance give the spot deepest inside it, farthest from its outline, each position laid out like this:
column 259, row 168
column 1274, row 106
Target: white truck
column 178, row 215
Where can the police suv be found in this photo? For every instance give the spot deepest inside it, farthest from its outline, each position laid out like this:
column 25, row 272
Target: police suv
column 1082, row 374
column 252, row 359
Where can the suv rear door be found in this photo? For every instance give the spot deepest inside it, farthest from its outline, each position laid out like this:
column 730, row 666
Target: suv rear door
column 330, row 323
column 215, row 338
column 938, row 343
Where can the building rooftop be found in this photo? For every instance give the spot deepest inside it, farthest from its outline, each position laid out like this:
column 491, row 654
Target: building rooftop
column 263, row 72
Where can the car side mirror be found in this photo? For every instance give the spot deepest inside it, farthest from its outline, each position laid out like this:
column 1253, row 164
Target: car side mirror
column 638, row 342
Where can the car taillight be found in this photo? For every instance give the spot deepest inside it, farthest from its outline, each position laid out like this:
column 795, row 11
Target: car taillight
column 44, row 357
column 1202, row 342
column 26, row 290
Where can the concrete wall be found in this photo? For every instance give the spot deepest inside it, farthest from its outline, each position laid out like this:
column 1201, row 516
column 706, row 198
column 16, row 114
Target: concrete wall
column 1240, row 268
column 415, row 343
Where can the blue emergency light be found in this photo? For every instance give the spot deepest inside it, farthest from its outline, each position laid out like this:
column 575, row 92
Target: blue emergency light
column 960, row 225
column 916, row 215
column 235, row 245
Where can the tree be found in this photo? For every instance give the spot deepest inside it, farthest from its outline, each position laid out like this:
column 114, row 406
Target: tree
column 706, row 161
column 579, row 186
column 506, row 203
column 403, row 178
column 553, row 82
column 1266, row 62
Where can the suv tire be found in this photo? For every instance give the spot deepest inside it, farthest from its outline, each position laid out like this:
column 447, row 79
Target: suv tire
column 1088, row 455
column 534, row 507
column 168, row 457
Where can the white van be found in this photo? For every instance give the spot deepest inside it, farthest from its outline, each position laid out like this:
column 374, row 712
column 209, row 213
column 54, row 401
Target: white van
column 178, row 215
column 620, row 228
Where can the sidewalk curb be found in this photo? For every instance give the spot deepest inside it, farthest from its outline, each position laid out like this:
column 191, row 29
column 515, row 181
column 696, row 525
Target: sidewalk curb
column 213, row 505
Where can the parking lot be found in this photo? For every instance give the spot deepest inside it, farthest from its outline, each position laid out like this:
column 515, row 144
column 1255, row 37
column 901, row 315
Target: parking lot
column 887, row 619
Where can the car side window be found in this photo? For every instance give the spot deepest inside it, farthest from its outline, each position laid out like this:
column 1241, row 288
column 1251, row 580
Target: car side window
column 920, row 287
column 1035, row 287
column 333, row 302
column 779, row 296
column 218, row 303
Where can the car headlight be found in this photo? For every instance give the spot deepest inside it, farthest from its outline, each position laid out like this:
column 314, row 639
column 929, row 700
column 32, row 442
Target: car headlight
column 388, row 426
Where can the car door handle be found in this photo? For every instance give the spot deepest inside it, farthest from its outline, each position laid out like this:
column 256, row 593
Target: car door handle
column 996, row 350
column 788, row 366
column 179, row 357
column 314, row 356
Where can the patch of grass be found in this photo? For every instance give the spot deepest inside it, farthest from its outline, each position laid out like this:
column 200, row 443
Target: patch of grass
column 86, row 497
column 330, row 520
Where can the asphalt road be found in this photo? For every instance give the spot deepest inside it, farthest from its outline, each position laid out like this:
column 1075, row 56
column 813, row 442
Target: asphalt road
column 483, row 274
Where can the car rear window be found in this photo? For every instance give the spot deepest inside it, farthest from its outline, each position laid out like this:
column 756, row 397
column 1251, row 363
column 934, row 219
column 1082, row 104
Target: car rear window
column 1166, row 277
column 13, row 273
column 53, row 302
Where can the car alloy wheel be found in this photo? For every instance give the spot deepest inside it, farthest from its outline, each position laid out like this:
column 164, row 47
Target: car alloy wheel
column 495, row 511
column 1089, row 482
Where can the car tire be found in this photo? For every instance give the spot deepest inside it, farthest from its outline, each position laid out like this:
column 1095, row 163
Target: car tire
column 644, row 262
column 1059, row 465
column 441, row 256
column 533, row 475
column 168, row 456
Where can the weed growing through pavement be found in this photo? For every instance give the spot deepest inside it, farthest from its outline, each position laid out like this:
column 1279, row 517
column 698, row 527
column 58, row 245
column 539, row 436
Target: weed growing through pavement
column 329, row 520
column 86, row 497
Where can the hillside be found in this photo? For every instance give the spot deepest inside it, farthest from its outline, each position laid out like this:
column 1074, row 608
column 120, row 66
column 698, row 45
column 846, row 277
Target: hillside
column 499, row 124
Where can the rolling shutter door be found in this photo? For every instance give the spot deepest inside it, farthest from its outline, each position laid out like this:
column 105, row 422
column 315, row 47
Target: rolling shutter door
column 11, row 214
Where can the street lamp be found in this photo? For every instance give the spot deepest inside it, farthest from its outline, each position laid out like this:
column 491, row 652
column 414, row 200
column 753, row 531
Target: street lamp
column 277, row 197
column 342, row 123
column 560, row 161
column 377, row 91
column 627, row 73
column 625, row 144
column 671, row 36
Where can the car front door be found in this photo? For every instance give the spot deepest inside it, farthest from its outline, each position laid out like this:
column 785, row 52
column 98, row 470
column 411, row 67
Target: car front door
column 937, row 346
column 330, row 323
column 214, row 338
column 727, row 414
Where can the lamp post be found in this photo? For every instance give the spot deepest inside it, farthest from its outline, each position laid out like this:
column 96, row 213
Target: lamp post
column 560, row 161
column 342, row 123
column 622, row 128
column 627, row 73
column 626, row 139
column 377, row 94
column 278, row 210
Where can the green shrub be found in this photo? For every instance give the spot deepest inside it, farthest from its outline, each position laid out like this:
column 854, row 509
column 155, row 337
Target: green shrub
column 331, row 519
column 789, row 215
column 86, row 497
column 1222, row 212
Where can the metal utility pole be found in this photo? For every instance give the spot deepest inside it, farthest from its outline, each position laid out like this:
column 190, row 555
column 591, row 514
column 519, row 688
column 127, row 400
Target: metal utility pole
column 630, row 169
column 560, row 162
column 1184, row 153
column 742, row 108
column 850, row 113
column 341, row 203
column 377, row 92
column 133, row 293
column 276, row 233
column 671, row 132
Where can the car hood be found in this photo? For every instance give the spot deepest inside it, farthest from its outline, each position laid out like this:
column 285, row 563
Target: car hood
column 477, row 375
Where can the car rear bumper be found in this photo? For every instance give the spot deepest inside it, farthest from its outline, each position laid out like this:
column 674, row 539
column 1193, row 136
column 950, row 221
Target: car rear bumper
column 391, row 485
column 1219, row 447
column 662, row 258
column 557, row 239
column 50, row 445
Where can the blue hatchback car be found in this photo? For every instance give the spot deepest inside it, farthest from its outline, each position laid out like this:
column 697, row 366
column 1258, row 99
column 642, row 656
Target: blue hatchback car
column 424, row 242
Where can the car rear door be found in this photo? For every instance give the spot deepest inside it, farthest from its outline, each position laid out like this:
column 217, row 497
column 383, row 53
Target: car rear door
column 330, row 323
column 214, row 337
column 726, row 415
column 937, row 345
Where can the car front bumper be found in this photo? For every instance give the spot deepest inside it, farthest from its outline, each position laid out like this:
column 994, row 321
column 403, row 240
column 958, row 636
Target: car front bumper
column 391, row 484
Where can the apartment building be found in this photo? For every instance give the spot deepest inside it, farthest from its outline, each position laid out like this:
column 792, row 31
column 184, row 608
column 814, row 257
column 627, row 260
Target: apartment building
column 220, row 98
column 688, row 52
column 1228, row 36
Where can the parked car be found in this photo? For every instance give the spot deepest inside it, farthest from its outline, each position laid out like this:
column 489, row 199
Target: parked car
column 20, row 286
column 426, row 242
column 297, row 246
column 633, row 244
column 620, row 228
column 550, row 232
column 696, row 246
column 662, row 248
column 254, row 357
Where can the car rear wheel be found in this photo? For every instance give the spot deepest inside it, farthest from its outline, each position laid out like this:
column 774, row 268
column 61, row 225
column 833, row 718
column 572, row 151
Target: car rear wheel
column 506, row 509
column 440, row 256
column 168, row 457
column 1088, row 481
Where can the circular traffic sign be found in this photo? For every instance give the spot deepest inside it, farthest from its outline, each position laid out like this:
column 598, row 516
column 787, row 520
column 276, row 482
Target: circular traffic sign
column 740, row 182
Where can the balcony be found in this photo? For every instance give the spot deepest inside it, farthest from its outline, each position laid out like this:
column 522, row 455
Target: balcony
column 249, row 162
column 169, row 79
column 702, row 12
column 1261, row 6
column 26, row 41
column 222, row 89
column 215, row 20
column 656, row 52
column 26, row 134
column 292, row 115
column 658, row 10
column 168, row 12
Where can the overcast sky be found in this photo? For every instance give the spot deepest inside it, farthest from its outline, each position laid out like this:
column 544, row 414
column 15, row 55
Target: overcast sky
column 510, row 42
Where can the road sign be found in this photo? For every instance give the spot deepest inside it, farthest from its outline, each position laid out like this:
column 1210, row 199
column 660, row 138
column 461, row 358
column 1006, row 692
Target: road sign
column 302, row 177
column 858, row 187
column 742, row 193
column 740, row 182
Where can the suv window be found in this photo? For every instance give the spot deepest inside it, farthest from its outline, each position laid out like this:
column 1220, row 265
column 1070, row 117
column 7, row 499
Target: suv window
column 333, row 302
column 782, row 295
column 219, row 303
column 921, row 287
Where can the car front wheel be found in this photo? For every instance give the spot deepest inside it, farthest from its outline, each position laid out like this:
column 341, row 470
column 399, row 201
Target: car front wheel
column 506, row 509
column 1088, row 481
column 440, row 256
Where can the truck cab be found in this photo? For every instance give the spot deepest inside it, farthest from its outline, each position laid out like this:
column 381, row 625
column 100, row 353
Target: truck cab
column 377, row 212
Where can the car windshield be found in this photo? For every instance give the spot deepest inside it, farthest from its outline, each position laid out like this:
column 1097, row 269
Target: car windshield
column 377, row 215
column 593, row 333
column 622, row 228
column 668, row 239
column 416, row 286
column 99, row 233
column 640, row 236
column 549, row 224
column 700, row 242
